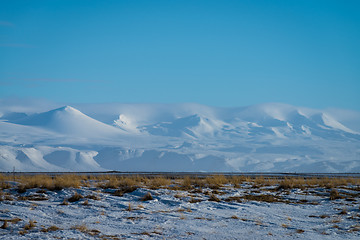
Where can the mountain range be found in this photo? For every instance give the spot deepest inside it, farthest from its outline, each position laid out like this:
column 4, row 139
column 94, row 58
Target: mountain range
column 271, row 137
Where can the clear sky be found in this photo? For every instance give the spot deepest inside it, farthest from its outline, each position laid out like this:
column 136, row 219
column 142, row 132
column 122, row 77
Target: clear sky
column 219, row 53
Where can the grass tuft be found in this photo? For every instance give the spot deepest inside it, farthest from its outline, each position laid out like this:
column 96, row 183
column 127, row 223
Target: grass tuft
column 214, row 198
column 147, row 197
column 76, row 197
column 334, row 194
column 5, row 225
column 50, row 229
column 29, row 225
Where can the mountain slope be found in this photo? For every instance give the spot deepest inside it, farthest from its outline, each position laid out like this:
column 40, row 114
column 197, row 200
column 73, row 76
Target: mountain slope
column 178, row 137
column 70, row 121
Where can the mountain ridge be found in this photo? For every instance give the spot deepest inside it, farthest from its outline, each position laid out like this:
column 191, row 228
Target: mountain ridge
column 187, row 137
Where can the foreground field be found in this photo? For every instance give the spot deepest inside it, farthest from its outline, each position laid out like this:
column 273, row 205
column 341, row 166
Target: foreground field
column 178, row 207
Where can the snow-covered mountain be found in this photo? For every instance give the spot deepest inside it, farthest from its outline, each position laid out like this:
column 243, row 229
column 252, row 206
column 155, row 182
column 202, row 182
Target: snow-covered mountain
column 177, row 137
column 66, row 120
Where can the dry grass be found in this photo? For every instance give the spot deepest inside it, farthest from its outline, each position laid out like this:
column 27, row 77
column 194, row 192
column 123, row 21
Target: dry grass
column 236, row 181
column 48, row 182
column 34, row 197
column 23, row 232
column 15, row 220
column 292, row 182
column 157, row 182
column 3, row 179
column 30, row 225
column 93, row 197
column 34, row 181
column 214, row 198
column 180, row 195
column 285, row 225
column 113, row 181
column 216, row 181
column 129, row 208
column 343, row 211
column 334, row 194
column 147, row 197
column 76, row 197
column 186, row 183
column 8, row 197
column 132, row 181
column 81, row 228
column 355, row 228
column 50, row 229
column 195, row 200
column 234, row 199
column 304, row 182
column 336, row 220
column 262, row 198
column 125, row 189
column 184, row 210
column 5, row 224
column 67, row 181
column 259, row 181
column 106, row 181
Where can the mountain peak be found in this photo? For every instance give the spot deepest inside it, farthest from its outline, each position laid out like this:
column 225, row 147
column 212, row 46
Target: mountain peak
column 263, row 137
column 68, row 120
column 66, row 108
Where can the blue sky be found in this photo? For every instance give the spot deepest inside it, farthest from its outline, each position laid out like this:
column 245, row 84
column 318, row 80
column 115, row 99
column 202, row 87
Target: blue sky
column 219, row 53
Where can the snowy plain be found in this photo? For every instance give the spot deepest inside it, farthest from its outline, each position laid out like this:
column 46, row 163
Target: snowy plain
column 207, row 212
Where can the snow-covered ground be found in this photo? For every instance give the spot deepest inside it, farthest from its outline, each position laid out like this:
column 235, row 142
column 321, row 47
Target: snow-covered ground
column 269, row 137
column 182, row 214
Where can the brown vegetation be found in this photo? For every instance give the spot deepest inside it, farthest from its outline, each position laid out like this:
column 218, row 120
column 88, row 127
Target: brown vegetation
column 147, row 197
column 334, row 194
column 76, row 197
column 189, row 182
column 5, row 225
column 30, row 225
column 214, row 198
column 50, row 229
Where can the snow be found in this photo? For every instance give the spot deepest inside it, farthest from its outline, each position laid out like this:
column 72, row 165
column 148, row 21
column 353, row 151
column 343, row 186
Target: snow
column 170, row 137
column 335, row 124
column 70, row 121
column 170, row 215
column 348, row 118
column 126, row 123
